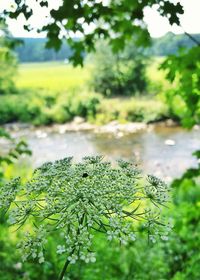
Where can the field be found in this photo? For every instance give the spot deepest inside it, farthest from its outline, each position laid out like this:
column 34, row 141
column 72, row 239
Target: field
column 55, row 76
column 58, row 76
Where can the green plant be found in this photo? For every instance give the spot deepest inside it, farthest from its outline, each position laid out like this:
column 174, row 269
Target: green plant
column 85, row 104
column 13, row 153
column 184, row 101
column 182, row 250
column 8, row 66
column 8, row 61
column 132, row 109
column 118, row 74
column 45, row 107
column 77, row 200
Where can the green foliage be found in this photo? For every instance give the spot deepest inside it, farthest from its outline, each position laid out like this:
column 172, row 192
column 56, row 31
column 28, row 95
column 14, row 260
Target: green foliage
column 117, row 21
column 133, row 110
column 45, row 107
column 10, row 156
column 113, row 262
column 184, row 99
column 8, row 63
column 178, row 258
column 77, row 200
column 182, row 251
column 56, row 93
column 118, row 74
column 7, row 71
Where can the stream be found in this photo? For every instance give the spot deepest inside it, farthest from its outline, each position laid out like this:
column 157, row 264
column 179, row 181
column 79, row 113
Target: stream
column 162, row 151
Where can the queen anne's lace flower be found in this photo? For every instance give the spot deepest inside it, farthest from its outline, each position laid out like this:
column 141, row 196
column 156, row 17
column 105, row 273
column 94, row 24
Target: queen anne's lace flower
column 78, row 199
column 8, row 193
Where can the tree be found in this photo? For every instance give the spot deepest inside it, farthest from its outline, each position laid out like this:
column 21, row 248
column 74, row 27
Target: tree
column 8, row 62
column 115, row 20
column 118, row 74
column 184, row 99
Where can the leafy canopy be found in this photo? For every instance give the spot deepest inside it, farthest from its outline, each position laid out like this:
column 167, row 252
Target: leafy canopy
column 115, row 20
column 184, row 99
column 8, row 62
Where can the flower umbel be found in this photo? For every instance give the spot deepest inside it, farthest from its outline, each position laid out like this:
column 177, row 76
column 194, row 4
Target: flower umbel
column 77, row 199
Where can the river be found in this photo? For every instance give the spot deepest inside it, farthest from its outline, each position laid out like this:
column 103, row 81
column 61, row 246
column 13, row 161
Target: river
column 162, row 151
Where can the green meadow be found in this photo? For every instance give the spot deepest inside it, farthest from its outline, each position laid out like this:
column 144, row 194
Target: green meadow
column 59, row 76
column 54, row 76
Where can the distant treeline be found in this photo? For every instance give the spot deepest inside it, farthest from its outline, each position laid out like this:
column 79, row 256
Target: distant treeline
column 33, row 49
column 170, row 43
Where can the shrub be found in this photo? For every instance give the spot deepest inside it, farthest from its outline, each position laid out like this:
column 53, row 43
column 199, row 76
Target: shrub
column 135, row 110
column 84, row 104
column 118, row 74
column 45, row 107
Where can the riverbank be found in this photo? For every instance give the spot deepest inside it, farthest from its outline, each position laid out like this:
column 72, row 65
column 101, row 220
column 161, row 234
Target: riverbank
column 43, row 107
column 79, row 124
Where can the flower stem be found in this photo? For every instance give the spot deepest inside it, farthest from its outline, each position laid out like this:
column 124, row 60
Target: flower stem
column 64, row 270
column 67, row 261
column 65, row 267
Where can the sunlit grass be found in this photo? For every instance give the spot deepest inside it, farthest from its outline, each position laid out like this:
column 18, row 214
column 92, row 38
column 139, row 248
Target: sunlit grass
column 56, row 76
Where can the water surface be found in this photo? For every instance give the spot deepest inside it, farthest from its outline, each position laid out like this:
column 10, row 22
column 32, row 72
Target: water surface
column 147, row 149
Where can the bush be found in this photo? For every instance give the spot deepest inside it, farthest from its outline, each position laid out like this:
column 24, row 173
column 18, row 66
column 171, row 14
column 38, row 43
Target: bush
column 118, row 74
column 182, row 251
column 135, row 110
column 45, row 107
column 21, row 107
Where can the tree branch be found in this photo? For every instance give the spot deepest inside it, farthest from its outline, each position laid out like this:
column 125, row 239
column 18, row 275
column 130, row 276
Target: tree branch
column 192, row 38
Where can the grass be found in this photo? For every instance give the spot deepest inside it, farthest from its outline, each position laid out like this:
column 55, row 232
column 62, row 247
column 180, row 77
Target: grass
column 55, row 76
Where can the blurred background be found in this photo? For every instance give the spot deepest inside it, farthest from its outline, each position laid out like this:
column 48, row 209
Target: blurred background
column 124, row 99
